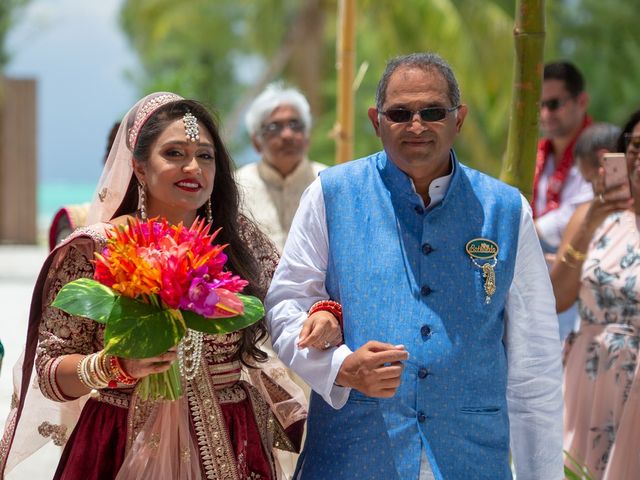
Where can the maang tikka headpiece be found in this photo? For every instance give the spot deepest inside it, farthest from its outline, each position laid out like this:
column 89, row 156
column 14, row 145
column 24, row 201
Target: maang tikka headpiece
column 191, row 129
column 145, row 111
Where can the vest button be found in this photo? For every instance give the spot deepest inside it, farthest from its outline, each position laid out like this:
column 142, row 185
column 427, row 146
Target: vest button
column 427, row 249
column 425, row 290
column 425, row 331
column 423, row 372
column 419, row 210
column 421, row 416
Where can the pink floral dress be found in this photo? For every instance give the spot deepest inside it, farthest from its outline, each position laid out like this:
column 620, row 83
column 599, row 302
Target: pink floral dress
column 602, row 376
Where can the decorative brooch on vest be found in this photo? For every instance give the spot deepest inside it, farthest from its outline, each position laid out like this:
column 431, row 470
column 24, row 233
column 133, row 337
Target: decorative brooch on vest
column 484, row 255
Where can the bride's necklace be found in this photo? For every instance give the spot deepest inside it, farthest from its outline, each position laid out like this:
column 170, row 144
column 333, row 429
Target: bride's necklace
column 189, row 350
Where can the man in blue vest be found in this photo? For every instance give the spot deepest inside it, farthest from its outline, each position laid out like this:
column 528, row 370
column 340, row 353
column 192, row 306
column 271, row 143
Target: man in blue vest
column 451, row 354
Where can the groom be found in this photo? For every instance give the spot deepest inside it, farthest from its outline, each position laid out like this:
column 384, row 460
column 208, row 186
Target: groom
column 451, row 357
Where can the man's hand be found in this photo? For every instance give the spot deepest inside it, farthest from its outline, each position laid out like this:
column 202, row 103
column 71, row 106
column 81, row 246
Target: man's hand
column 374, row 369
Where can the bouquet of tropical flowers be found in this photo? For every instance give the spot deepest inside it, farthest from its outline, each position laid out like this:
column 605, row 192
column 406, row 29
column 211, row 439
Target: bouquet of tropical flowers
column 154, row 282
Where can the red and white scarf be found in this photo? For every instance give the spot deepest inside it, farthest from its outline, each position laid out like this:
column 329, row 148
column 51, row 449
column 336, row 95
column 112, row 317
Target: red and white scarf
column 559, row 175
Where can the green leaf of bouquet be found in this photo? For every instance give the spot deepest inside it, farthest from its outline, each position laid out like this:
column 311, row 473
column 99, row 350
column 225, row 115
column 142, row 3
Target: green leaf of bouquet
column 86, row 297
column 253, row 311
column 570, row 474
column 141, row 330
column 581, row 472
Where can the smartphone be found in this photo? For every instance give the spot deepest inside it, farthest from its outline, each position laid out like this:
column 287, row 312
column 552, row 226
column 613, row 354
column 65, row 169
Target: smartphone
column 615, row 174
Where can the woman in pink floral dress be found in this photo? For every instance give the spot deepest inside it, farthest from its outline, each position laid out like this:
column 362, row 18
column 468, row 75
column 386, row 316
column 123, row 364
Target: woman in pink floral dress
column 599, row 265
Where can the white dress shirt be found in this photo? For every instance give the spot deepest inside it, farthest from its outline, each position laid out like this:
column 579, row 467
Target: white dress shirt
column 534, row 384
column 575, row 190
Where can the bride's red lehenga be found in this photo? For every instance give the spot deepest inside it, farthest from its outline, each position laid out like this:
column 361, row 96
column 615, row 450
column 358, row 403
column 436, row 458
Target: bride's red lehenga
column 231, row 424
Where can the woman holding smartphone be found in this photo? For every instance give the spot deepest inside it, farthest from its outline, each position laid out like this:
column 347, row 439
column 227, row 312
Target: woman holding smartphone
column 598, row 264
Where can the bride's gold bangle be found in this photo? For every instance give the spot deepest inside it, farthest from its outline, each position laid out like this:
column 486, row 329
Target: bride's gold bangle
column 575, row 254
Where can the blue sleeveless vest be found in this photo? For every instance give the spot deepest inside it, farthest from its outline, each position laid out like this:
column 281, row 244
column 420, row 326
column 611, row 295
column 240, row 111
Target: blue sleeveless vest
column 404, row 277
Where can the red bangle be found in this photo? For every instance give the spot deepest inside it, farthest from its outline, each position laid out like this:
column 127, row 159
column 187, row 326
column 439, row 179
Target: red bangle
column 118, row 373
column 330, row 306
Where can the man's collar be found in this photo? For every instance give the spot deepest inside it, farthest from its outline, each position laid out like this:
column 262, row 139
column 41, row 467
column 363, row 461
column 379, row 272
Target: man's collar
column 439, row 186
column 404, row 184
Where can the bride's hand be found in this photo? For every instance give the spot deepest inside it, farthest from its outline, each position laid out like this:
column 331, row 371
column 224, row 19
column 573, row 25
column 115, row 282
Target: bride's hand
column 142, row 367
column 320, row 330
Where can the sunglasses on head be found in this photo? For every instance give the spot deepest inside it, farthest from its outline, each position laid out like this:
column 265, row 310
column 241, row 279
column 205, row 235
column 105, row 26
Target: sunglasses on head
column 554, row 104
column 275, row 128
column 431, row 114
column 631, row 140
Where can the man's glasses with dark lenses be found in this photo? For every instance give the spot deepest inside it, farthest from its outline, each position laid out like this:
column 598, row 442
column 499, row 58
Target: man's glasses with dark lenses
column 431, row 114
column 275, row 128
column 631, row 140
column 554, row 104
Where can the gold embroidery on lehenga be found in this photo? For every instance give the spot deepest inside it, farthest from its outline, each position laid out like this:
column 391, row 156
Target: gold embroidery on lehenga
column 154, row 441
column 117, row 398
column 6, row 438
column 185, row 455
column 216, row 452
column 264, row 419
column 233, row 394
column 139, row 412
column 58, row 433
column 60, row 333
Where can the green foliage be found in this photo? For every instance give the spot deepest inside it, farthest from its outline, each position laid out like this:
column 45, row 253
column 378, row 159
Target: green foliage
column 135, row 329
column 601, row 39
column 87, row 298
column 253, row 311
column 576, row 471
column 187, row 47
column 172, row 61
column 199, row 47
column 140, row 330
column 8, row 11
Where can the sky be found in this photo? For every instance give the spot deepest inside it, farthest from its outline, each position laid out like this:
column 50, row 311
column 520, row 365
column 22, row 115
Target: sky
column 80, row 59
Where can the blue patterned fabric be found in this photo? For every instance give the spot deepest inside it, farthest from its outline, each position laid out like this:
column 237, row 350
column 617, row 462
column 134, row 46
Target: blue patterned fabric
column 404, row 277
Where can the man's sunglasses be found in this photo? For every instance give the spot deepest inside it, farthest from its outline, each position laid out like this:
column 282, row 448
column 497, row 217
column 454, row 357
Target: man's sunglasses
column 554, row 104
column 431, row 114
column 275, row 128
column 631, row 140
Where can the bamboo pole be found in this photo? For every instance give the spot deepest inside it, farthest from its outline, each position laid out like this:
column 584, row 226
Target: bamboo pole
column 345, row 65
column 518, row 166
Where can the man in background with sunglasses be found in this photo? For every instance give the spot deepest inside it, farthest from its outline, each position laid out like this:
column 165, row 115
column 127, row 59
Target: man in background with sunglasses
column 278, row 122
column 558, row 186
column 451, row 355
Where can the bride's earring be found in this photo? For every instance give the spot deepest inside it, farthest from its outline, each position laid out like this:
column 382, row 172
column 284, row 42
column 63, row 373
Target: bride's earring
column 209, row 211
column 142, row 201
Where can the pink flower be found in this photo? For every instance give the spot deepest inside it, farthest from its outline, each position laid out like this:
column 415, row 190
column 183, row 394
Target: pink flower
column 229, row 305
column 201, row 298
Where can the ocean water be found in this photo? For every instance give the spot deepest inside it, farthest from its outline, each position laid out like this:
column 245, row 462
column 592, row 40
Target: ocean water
column 53, row 195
